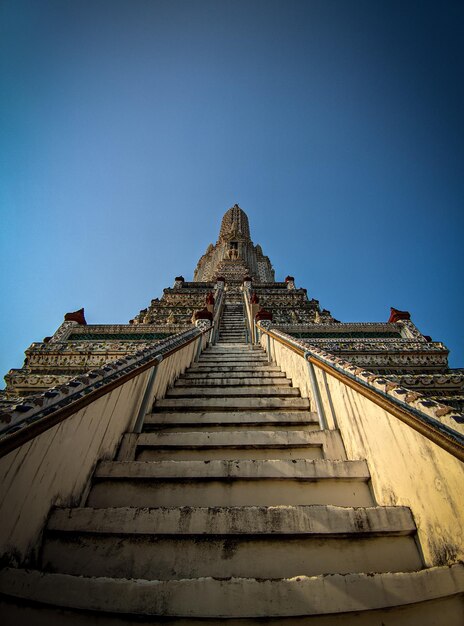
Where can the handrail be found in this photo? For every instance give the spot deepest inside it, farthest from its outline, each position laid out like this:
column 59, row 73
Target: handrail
column 41, row 412
column 248, row 318
column 363, row 381
column 217, row 316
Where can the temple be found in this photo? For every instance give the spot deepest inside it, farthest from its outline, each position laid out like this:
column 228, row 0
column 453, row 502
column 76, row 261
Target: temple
column 395, row 348
column 231, row 455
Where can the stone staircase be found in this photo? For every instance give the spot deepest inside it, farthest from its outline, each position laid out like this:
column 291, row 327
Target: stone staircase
column 231, row 504
column 232, row 327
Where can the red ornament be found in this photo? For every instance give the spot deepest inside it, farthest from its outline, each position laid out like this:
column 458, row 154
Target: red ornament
column 203, row 314
column 263, row 315
column 76, row 316
column 396, row 315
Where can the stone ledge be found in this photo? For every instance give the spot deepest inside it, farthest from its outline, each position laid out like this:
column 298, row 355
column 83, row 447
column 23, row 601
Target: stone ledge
column 235, row 597
column 299, row 469
column 315, row 520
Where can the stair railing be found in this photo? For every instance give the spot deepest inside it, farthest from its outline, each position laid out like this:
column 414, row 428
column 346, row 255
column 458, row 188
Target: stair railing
column 218, row 309
column 413, row 445
column 37, row 414
column 423, row 415
column 249, row 322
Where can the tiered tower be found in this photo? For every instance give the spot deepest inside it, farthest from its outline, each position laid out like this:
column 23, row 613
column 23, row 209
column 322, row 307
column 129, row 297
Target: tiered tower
column 234, row 455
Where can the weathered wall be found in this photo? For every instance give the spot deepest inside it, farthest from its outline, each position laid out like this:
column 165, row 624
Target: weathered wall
column 406, row 468
column 291, row 363
column 56, row 466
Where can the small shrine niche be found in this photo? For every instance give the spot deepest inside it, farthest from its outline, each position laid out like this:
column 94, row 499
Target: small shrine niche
column 232, row 251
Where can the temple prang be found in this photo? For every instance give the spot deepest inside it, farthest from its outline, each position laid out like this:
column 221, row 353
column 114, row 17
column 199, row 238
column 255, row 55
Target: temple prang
column 233, row 455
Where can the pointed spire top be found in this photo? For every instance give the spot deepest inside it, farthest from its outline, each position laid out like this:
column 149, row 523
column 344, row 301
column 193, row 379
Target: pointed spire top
column 234, row 225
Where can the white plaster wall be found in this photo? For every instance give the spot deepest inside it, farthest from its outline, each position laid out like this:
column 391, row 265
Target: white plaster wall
column 291, row 363
column 56, row 466
column 406, row 468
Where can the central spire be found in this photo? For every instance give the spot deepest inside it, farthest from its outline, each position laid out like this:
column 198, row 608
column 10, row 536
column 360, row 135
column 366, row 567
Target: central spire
column 234, row 225
column 234, row 256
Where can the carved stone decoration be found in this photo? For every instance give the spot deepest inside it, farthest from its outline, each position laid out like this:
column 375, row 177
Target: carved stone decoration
column 179, row 282
column 290, row 280
column 203, row 324
column 63, row 332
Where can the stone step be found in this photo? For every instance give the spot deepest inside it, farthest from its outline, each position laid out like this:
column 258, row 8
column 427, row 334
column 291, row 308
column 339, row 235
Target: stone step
column 230, row 453
column 221, row 377
column 232, row 359
column 234, row 381
column 244, row 351
column 246, row 367
column 232, row 336
column 232, row 328
column 192, row 542
column 271, row 419
column 301, row 470
column 316, row 520
column 239, row 343
column 233, row 341
column 218, row 350
column 253, row 391
column 240, row 325
column 236, row 444
column 253, row 439
column 230, row 483
column 372, row 599
column 231, row 325
column 232, row 404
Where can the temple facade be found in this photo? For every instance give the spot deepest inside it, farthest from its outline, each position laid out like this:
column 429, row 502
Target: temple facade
column 233, row 455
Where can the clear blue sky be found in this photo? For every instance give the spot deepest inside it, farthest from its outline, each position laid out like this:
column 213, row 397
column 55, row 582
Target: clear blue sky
column 129, row 127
